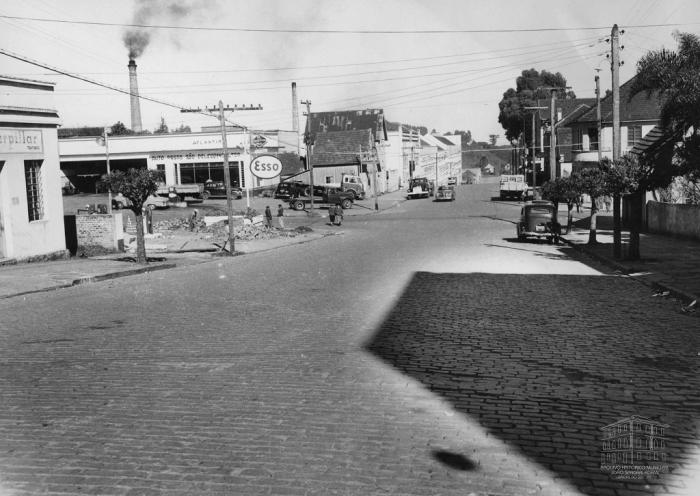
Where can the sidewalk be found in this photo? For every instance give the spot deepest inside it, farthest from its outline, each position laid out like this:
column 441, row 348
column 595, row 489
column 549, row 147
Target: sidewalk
column 26, row 278
column 667, row 263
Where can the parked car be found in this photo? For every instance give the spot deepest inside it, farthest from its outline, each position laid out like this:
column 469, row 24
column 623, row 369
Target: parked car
column 152, row 202
column 217, row 189
column 445, row 193
column 538, row 219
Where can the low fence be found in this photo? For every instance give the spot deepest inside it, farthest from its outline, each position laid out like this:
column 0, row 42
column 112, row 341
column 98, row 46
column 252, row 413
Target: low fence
column 676, row 219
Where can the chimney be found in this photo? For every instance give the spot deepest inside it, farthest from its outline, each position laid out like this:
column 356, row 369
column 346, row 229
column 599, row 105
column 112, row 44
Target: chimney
column 135, row 104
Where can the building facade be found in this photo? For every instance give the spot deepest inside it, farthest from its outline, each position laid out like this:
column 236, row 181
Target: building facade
column 184, row 158
column 31, row 204
column 638, row 115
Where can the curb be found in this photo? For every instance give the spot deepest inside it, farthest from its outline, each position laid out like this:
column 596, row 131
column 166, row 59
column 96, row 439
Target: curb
column 90, row 279
column 680, row 294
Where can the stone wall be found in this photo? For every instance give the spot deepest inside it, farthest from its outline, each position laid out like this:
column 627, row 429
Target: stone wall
column 103, row 230
column 673, row 218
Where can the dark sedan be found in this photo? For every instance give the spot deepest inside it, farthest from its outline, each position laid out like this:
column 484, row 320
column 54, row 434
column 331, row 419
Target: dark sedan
column 216, row 189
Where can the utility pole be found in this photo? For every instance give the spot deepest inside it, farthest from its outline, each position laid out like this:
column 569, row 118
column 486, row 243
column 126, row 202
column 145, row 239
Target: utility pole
column 309, row 140
column 553, row 138
column 534, row 143
column 376, row 163
column 615, row 67
column 108, row 130
column 436, row 171
column 598, row 116
column 227, row 172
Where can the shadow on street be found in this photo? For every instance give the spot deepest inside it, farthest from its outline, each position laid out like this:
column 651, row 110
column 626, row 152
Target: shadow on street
column 545, row 361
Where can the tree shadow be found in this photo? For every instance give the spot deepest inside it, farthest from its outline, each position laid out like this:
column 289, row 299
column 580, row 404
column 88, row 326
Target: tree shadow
column 545, row 361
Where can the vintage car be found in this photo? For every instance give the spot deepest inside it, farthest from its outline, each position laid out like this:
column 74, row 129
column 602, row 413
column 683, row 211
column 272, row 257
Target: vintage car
column 419, row 187
column 445, row 193
column 214, row 189
column 538, row 219
column 152, row 202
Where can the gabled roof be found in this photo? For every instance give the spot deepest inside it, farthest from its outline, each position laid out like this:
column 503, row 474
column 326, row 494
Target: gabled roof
column 641, row 107
column 349, row 120
column 571, row 108
column 340, row 147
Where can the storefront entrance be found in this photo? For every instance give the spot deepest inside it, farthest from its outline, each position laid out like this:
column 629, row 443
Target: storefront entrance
column 212, row 171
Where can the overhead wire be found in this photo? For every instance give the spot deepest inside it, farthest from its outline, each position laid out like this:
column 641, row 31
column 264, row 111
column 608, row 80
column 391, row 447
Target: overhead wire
column 333, row 31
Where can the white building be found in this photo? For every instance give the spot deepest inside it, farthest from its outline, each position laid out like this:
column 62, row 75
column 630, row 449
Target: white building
column 184, row 158
column 31, row 204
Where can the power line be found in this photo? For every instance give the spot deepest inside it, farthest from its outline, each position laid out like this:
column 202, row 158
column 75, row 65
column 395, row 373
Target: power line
column 491, row 53
column 337, row 31
column 104, row 85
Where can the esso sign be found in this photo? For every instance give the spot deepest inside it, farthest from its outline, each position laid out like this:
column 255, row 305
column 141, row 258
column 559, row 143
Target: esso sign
column 266, row 167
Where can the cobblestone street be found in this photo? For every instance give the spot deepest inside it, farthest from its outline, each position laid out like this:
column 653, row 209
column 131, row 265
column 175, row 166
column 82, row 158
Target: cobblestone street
column 418, row 351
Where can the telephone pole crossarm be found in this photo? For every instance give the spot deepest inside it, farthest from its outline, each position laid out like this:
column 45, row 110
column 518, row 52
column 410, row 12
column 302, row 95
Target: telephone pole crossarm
column 224, row 147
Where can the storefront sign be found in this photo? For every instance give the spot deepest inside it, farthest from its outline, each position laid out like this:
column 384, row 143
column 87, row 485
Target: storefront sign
column 20, row 141
column 259, row 141
column 266, row 167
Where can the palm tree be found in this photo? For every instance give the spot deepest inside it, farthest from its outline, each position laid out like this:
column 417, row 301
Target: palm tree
column 675, row 76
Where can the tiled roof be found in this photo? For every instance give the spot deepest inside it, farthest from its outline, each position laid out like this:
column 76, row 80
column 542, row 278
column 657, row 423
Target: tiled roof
column 340, row 147
column 641, row 107
column 349, row 120
column 570, row 108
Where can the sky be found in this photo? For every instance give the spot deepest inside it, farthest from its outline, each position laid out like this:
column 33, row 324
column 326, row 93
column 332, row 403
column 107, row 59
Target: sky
column 442, row 64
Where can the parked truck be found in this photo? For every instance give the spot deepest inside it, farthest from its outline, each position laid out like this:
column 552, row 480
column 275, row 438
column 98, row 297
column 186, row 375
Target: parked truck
column 330, row 196
column 512, row 186
column 351, row 184
column 180, row 192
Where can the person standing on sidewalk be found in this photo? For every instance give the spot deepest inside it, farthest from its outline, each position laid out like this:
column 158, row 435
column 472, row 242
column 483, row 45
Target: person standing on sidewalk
column 268, row 216
column 280, row 215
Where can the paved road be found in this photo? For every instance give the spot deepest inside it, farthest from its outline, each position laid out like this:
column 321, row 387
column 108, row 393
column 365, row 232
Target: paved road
column 422, row 351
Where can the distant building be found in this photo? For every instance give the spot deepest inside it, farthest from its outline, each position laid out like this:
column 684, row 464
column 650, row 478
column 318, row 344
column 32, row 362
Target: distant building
column 352, row 139
column 31, row 204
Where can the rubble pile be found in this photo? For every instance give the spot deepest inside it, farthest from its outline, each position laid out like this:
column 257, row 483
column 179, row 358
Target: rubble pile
column 243, row 231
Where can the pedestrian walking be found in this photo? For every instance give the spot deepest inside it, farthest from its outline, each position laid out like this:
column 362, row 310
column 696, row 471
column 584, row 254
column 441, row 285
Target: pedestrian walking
column 331, row 214
column 280, row 215
column 268, row 216
column 338, row 214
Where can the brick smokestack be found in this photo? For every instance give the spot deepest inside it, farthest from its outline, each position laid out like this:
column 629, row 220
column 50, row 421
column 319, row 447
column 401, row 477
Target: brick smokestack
column 135, row 104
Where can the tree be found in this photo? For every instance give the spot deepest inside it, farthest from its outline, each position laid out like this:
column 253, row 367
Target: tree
column 564, row 190
column 529, row 87
column 136, row 185
column 182, row 129
column 674, row 76
column 163, row 128
column 119, row 129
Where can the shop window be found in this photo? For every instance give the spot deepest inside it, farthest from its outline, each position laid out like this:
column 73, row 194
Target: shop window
column 35, row 197
column 634, row 135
